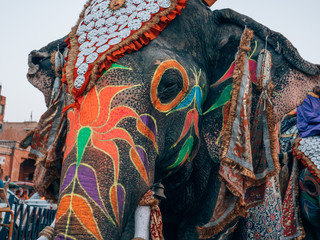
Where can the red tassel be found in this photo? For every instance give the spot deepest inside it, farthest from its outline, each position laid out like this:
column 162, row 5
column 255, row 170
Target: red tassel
column 73, row 105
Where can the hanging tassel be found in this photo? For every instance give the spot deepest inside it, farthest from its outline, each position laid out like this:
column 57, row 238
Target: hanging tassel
column 264, row 76
column 57, row 62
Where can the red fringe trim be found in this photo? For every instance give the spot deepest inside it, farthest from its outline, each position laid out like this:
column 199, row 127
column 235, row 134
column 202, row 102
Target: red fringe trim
column 73, row 105
column 305, row 160
column 143, row 40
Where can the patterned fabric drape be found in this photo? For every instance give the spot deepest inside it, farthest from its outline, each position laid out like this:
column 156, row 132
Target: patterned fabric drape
column 248, row 154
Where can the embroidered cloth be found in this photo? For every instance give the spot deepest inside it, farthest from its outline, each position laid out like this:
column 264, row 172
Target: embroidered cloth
column 265, row 220
column 248, row 154
column 278, row 217
column 292, row 226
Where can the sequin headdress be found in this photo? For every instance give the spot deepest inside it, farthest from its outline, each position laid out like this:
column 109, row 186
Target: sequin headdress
column 307, row 150
column 106, row 30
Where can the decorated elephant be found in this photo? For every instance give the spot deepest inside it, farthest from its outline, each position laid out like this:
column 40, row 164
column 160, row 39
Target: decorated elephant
column 299, row 177
column 146, row 95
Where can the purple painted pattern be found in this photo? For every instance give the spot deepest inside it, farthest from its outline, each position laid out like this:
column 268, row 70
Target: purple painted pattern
column 88, row 181
column 69, row 177
column 149, row 122
column 143, row 158
column 120, row 194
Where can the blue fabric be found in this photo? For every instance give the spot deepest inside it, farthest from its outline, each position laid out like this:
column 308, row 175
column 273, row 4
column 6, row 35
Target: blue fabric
column 308, row 117
column 1, row 184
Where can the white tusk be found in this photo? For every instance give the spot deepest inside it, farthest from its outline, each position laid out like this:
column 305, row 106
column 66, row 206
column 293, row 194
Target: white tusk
column 142, row 222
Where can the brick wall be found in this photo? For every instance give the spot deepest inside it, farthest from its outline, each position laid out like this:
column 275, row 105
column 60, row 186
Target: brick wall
column 14, row 157
column 10, row 153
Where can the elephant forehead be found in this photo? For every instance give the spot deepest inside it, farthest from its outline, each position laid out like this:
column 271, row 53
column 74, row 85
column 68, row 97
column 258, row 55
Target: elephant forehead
column 107, row 29
column 118, row 74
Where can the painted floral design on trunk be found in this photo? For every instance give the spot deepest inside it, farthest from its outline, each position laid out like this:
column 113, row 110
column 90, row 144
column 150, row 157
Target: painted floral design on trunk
column 95, row 124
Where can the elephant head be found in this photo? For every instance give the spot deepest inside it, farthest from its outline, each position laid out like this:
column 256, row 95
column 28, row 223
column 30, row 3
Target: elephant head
column 155, row 116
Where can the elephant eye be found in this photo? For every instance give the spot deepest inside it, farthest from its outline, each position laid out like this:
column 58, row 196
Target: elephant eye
column 169, row 85
column 311, row 187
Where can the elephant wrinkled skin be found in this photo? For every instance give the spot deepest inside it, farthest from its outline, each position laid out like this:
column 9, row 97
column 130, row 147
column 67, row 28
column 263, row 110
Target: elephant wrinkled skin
column 143, row 123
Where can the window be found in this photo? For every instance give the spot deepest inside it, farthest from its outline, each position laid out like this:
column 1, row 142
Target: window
column 2, row 160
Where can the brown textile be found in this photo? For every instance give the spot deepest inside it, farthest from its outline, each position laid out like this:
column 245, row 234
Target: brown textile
column 248, row 154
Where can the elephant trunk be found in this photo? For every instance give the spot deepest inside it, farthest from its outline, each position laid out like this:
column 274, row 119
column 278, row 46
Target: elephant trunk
column 40, row 72
column 98, row 198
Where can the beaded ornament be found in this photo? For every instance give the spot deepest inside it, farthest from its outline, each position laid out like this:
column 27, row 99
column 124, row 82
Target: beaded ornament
column 109, row 28
column 308, row 151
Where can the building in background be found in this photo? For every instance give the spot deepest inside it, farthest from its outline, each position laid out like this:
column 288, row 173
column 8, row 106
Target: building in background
column 2, row 108
column 13, row 160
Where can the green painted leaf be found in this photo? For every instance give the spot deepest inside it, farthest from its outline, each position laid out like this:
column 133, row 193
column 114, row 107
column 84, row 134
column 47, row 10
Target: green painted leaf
column 114, row 66
column 83, row 140
column 222, row 100
column 184, row 153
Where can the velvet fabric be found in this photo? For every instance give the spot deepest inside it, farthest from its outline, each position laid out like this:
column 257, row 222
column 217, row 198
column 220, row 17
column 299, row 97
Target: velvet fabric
column 308, row 116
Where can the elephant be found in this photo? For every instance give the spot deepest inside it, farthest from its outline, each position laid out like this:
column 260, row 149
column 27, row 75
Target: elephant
column 152, row 115
column 306, row 182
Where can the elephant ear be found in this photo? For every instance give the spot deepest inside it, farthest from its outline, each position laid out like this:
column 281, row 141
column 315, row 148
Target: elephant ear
column 280, row 45
column 230, row 26
column 231, row 115
column 41, row 73
column 48, row 138
column 46, row 147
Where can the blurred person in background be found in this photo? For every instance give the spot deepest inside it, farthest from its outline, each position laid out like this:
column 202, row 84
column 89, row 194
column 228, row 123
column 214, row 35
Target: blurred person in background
column 1, row 176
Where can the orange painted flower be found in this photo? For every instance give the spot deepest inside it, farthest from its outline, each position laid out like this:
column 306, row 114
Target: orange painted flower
column 95, row 124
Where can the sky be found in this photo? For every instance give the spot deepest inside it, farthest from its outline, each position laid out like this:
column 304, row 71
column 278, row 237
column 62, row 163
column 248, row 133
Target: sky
column 32, row 24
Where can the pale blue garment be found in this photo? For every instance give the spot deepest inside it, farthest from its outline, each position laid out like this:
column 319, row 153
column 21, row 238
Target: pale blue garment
column 1, row 184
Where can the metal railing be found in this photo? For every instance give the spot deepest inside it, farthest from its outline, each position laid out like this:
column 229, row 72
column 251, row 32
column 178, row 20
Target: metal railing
column 28, row 221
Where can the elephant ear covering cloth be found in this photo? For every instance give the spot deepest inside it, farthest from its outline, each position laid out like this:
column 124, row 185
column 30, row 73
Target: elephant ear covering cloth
column 105, row 31
column 248, row 154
